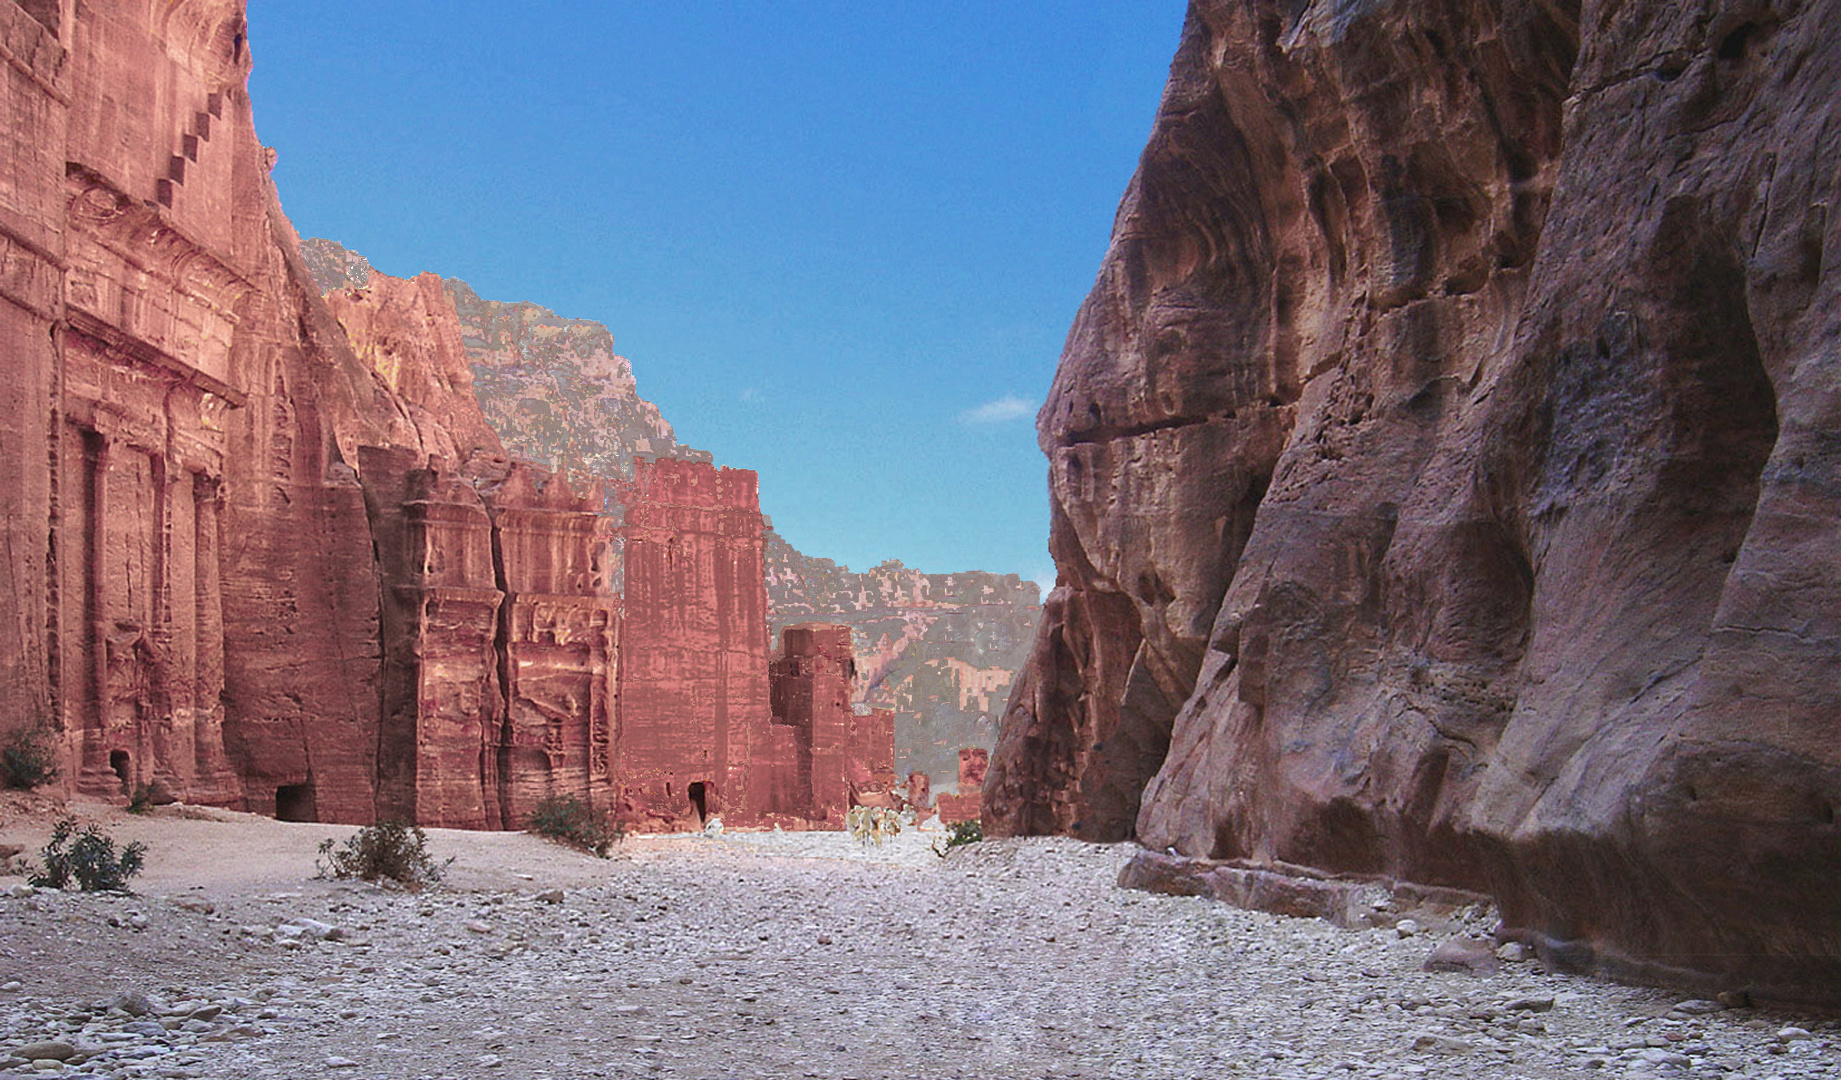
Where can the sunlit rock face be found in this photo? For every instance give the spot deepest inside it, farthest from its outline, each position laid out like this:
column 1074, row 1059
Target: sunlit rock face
column 1443, row 475
column 194, row 598
column 552, row 388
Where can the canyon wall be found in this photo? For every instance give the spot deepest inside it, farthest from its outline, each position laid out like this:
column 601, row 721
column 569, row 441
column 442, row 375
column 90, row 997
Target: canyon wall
column 940, row 651
column 266, row 549
column 193, row 599
column 1444, row 482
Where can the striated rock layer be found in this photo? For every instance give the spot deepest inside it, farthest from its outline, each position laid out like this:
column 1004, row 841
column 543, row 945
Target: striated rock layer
column 1444, row 477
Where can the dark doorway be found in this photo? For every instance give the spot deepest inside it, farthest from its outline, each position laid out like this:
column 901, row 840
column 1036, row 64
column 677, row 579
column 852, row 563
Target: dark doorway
column 699, row 797
column 118, row 761
column 294, row 802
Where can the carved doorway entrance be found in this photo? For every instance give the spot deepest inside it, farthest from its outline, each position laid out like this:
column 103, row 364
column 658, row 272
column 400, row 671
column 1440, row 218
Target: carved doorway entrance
column 699, row 793
column 294, row 802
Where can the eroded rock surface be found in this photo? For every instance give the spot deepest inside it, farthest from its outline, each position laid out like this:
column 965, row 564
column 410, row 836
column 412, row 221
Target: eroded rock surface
column 1443, row 475
column 267, row 550
column 551, row 387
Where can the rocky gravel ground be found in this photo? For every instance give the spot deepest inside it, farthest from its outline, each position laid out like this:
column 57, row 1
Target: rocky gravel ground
column 801, row 955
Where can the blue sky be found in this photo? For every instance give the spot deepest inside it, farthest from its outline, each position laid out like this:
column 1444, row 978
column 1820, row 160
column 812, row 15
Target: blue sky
column 841, row 242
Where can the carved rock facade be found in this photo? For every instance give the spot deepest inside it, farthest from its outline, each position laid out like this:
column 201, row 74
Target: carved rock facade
column 271, row 554
column 840, row 758
column 1444, row 478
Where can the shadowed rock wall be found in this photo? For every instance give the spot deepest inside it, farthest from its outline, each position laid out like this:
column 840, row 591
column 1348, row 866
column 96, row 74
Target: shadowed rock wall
column 1444, row 482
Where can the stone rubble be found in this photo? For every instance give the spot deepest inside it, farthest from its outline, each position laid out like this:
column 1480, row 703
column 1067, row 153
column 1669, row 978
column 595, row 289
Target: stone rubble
column 810, row 955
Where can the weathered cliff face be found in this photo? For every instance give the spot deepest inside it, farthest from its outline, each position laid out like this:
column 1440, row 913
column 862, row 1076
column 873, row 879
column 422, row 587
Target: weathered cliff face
column 552, row 388
column 1443, row 475
column 939, row 650
column 407, row 333
column 180, row 410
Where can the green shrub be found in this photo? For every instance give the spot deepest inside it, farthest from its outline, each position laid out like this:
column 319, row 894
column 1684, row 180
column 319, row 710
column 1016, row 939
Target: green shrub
column 140, row 800
column 88, row 858
column 958, row 834
column 389, row 851
column 29, row 759
column 569, row 820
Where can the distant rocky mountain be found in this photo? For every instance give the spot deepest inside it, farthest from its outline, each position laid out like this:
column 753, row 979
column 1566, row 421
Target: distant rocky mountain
column 940, row 650
column 553, row 388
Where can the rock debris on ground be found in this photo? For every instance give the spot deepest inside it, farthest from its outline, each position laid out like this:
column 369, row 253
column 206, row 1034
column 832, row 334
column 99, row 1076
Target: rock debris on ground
column 789, row 955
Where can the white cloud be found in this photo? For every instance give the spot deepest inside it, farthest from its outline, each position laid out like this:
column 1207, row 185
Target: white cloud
column 1003, row 410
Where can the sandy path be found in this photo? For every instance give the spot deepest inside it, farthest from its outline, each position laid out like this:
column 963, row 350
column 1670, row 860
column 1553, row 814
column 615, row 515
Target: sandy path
column 799, row 955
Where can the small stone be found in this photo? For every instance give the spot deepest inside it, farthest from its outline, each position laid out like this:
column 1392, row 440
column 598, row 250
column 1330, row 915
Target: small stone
column 1793, row 1034
column 1734, row 999
column 132, row 1002
column 314, row 929
column 333, row 1061
column 1664, row 1057
column 1406, row 927
column 490, row 1061
column 46, row 1051
column 475, row 926
column 1541, row 1003
column 1472, row 956
column 12, row 985
column 551, row 896
column 1443, row 1044
column 1697, row 1007
column 22, row 890
column 1513, row 952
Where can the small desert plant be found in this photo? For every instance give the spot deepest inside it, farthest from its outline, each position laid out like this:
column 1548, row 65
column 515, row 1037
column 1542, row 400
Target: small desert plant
column 29, row 759
column 390, row 851
column 140, row 800
column 568, row 820
column 958, row 834
column 87, row 857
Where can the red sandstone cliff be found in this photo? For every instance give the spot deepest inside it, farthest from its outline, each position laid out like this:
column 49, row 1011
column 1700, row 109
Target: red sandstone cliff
column 194, row 596
column 1444, row 478
column 262, row 556
column 938, row 650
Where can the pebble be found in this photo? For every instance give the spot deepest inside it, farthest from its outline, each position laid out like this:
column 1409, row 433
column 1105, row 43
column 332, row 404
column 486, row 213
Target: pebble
column 1472, row 956
column 47, row 1051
